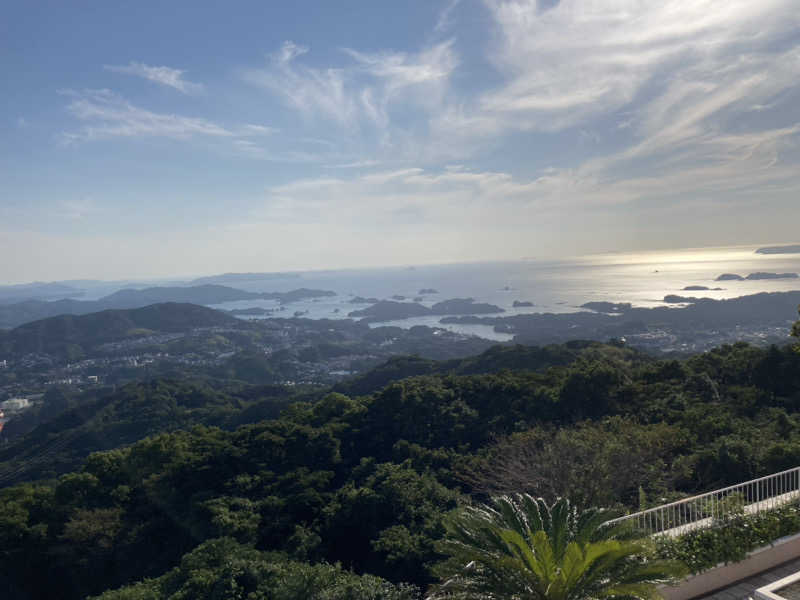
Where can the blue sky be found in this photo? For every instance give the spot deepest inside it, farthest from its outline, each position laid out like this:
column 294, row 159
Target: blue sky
column 162, row 139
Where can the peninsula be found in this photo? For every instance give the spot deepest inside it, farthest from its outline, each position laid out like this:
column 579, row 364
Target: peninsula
column 794, row 249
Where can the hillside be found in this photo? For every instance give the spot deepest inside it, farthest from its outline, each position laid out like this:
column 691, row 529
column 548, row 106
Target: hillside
column 77, row 335
column 110, row 418
column 495, row 359
column 18, row 313
column 200, row 294
column 367, row 481
column 685, row 328
column 793, row 249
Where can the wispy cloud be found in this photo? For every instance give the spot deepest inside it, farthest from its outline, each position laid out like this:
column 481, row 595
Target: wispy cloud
column 166, row 76
column 445, row 20
column 357, row 164
column 577, row 60
column 108, row 115
column 361, row 90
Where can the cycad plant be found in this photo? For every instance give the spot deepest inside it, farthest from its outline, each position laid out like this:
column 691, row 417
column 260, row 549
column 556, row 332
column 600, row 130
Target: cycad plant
column 519, row 548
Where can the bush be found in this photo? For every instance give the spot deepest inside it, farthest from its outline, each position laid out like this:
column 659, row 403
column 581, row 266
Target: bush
column 730, row 539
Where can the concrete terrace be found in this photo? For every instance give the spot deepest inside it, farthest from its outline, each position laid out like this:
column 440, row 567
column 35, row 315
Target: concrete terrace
column 744, row 589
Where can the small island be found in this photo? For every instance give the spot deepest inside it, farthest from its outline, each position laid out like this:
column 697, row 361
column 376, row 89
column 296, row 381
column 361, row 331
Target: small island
column 675, row 299
column 424, row 291
column 701, row 288
column 759, row 276
column 794, row 249
column 464, row 306
column 608, row 307
column 756, row 276
column 729, row 277
column 360, row 300
column 389, row 310
column 521, row 304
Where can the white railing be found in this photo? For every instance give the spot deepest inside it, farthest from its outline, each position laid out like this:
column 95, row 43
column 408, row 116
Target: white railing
column 750, row 497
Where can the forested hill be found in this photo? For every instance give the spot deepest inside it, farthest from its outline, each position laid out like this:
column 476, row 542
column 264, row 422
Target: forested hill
column 14, row 314
column 365, row 481
column 104, row 419
column 108, row 418
column 494, row 360
column 57, row 334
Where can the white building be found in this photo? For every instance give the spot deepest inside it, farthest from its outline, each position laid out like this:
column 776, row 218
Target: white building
column 15, row 404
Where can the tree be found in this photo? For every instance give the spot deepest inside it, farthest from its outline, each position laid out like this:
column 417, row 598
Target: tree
column 520, row 548
column 594, row 463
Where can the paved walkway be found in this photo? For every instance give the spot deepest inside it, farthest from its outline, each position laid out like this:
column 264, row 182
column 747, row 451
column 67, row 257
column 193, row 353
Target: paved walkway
column 746, row 587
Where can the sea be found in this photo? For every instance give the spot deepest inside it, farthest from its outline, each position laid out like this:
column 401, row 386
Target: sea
column 552, row 286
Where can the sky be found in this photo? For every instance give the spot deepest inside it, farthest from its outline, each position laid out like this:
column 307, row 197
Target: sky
column 158, row 139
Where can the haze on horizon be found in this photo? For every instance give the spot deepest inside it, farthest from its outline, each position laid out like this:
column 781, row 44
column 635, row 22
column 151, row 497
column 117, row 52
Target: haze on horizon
column 151, row 140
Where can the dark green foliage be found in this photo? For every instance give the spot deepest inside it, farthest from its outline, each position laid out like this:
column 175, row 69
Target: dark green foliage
column 222, row 569
column 110, row 418
column 366, row 480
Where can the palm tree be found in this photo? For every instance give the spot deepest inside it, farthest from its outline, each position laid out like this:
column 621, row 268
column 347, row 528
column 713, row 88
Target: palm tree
column 522, row 549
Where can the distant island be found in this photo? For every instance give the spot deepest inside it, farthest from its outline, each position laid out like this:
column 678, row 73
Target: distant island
column 607, row 307
column 521, row 304
column 755, row 276
column 389, row 310
column 361, row 300
column 38, row 290
column 12, row 315
column 464, row 306
column 675, row 299
column 795, row 249
column 424, row 291
column 227, row 278
column 701, row 288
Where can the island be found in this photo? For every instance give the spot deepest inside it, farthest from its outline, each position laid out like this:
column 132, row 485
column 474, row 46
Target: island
column 295, row 295
column 729, row 277
column 360, row 300
column 464, row 306
column 758, row 276
column 608, row 307
column 522, row 304
column 675, row 299
column 389, row 310
column 701, row 288
column 794, row 249
column 424, row 291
